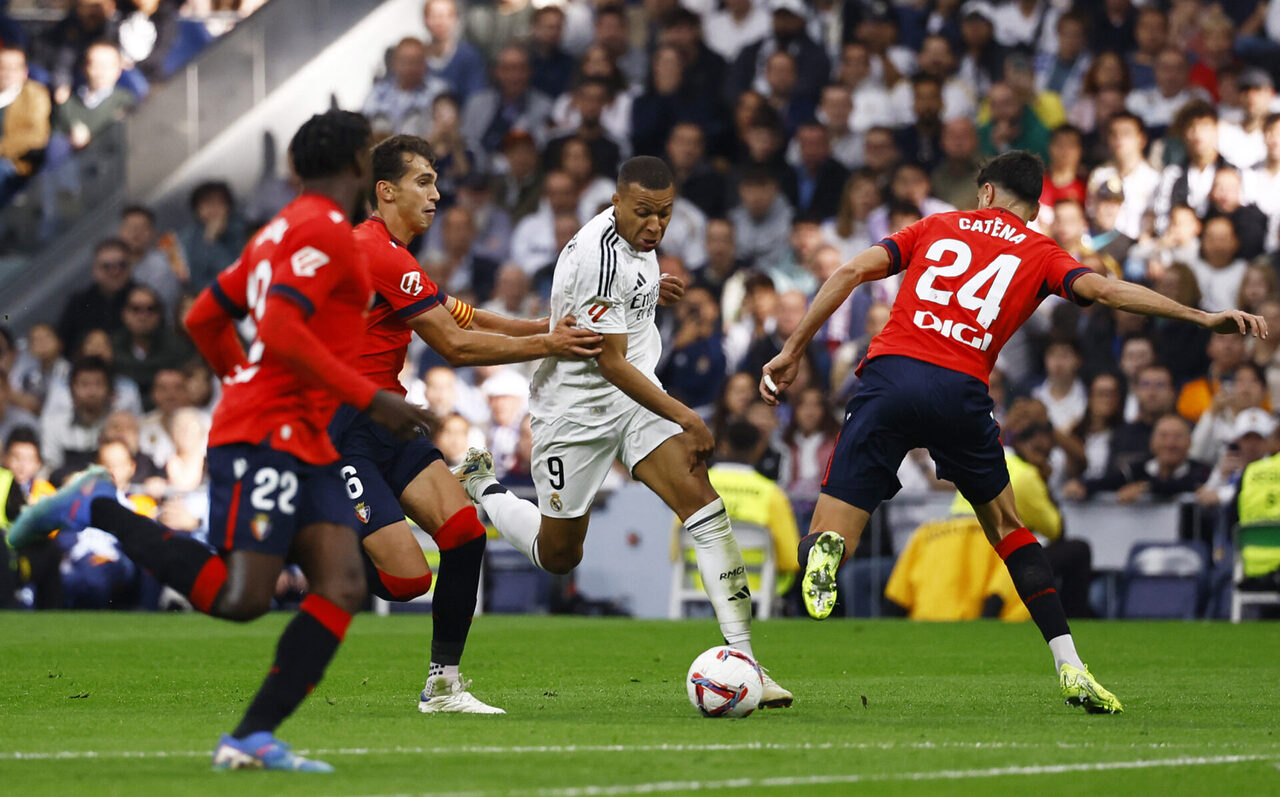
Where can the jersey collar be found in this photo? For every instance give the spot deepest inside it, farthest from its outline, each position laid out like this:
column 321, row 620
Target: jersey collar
column 627, row 247
column 382, row 221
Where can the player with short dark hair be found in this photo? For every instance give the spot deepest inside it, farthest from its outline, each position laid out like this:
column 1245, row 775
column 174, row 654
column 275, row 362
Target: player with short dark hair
column 971, row 278
column 274, row 491
column 586, row 415
column 387, row 478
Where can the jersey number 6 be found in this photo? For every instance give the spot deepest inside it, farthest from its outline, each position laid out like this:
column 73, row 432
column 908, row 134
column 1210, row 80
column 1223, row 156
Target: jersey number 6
column 998, row 272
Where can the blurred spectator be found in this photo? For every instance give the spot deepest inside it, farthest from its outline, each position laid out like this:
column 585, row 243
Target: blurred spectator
column 1088, row 445
column 216, row 234
column 791, row 308
column 722, row 258
column 1168, row 472
column 598, row 64
column 1114, row 31
column 401, row 101
column 731, row 405
column 491, row 25
column 1214, row 55
column 96, row 343
column 450, row 57
column 870, row 97
column 1219, row 270
column 1249, row 223
column 1013, row 125
column 1259, row 284
column 1261, row 184
column 168, row 394
column 1244, row 142
column 123, row 427
column 1136, row 352
column 686, row 234
column 1063, row 71
column 533, row 242
column 95, row 573
column 817, row 179
column 1062, row 392
column 508, row 396
column 812, row 66
column 1226, row 352
column 24, row 131
column 69, row 440
column 612, row 32
column 767, row 457
column 920, row 142
column 1266, row 351
column 1252, row 441
column 185, row 469
column 1139, row 182
column 97, row 103
column 1154, row 392
column 452, row 438
column 668, row 99
column 938, row 61
column 980, row 64
column 156, row 263
column 145, row 345
column 793, row 103
column 1243, row 389
column 1191, row 183
column 148, row 31
column 1062, row 177
column 511, row 294
column 955, row 177
column 100, row 305
column 519, row 186
column 493, row 225
column 12, row 416
column 1069, row 228
column 455, row 267
column 762, row 220
column 696, row 181
column 909, row 184
column 512, row 104
column 1106, row 85
column 590, row 99
column 750, row 497
column 38, row 368
column 808, row 442
column 848, row 231
column 64, row 48
column 695, row 368
column 443, row 393
column 1157, row 105
column 1151, row 257
column 835, row 108
column 453, row 161
column 738, row 24
column 552, row 66
column 704, row 69
column 1150, row 34
column 1182, row 347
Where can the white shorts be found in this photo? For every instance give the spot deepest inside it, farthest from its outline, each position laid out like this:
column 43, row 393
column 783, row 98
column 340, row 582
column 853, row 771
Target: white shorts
column 571, row 460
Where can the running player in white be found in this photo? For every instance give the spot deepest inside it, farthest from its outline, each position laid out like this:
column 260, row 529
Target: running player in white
column 588, row 413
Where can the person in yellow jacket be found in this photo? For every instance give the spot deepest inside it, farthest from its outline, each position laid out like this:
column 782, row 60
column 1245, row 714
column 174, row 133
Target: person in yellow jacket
column 949, row 571
column 751, row 497
column 36, row 566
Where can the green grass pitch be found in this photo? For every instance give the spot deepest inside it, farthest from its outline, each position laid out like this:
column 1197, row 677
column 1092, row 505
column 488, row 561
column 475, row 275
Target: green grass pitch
column 132, row 704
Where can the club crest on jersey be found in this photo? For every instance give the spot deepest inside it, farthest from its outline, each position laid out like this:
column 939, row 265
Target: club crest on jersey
column 411, row 283
column 307, row 261
column 260, row 526
column 960, row 333
column 555, row 502
column 363, row 512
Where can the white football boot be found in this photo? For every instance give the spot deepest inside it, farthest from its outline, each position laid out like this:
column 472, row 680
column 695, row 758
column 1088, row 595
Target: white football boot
column 475, row 472
column 444, row 695
column 773, row 695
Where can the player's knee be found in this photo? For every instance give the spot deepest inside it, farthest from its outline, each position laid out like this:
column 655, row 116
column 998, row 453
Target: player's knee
column 241, row 606
column 559, row 560
column 342, row 583
column 396, row 588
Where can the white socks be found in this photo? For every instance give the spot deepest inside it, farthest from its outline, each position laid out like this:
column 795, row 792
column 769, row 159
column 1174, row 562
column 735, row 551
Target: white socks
column 449, row 671
column 724, row 575
column 1063, row 649
column 517, row 520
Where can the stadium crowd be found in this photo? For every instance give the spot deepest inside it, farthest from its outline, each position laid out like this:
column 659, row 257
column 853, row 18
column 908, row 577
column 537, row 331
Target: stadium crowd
column 800, row 133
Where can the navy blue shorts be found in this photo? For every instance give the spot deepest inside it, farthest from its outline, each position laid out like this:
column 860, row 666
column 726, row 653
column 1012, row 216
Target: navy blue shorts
column 377, row 466
column 903, row 404
column 259, row 498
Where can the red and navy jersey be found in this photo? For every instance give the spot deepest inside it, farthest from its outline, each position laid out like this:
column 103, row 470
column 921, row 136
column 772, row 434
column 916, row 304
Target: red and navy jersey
column 305, row 255
column 970, row 279
column 402, row 290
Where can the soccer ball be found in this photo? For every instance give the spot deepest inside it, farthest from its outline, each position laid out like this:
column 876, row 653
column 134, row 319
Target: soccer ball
column 724, row 682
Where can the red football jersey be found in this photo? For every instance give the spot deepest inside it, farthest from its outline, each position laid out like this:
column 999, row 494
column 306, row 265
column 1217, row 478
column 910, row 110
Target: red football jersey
column 307, row 255
column 402, row 290
column 972, row 277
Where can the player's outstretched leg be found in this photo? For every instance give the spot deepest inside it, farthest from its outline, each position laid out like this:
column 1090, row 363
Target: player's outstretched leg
column 329, row 556
column 1032, row 576
column 189, row 566
column 517, row 520
column 690, row 495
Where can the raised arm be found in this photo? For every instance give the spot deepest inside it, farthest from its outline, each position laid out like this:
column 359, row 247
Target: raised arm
column 872, row 264
column 627, row 378
column 1134, row 298
column 469, row 347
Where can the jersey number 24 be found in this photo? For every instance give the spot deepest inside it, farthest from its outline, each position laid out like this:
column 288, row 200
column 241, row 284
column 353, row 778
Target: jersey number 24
column 999, row 273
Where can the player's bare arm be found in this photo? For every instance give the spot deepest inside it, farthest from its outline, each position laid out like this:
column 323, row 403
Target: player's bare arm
column 872, row 264
column 467, row 347
column 1134, row 298
column 627, row 378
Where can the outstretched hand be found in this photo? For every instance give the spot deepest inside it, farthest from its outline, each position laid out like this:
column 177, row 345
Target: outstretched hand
column 403, row 419
column 567, row 340
column 1237, row 322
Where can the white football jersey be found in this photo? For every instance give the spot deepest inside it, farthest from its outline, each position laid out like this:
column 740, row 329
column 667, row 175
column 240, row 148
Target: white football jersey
column 610, row 288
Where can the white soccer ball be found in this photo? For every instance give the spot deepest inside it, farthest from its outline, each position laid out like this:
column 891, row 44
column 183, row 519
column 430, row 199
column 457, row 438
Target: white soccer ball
column 724, row 682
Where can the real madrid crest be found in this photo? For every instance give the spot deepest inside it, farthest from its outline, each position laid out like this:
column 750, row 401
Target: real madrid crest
column 555, row 502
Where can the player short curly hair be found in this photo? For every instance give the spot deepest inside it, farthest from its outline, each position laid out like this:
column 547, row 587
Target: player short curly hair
column 328, row 143
column 1019, row 172
column 647, row 172
column 389, row 162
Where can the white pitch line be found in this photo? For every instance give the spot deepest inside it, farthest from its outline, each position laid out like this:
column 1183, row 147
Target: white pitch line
column 828, row 780
column 71, row 755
